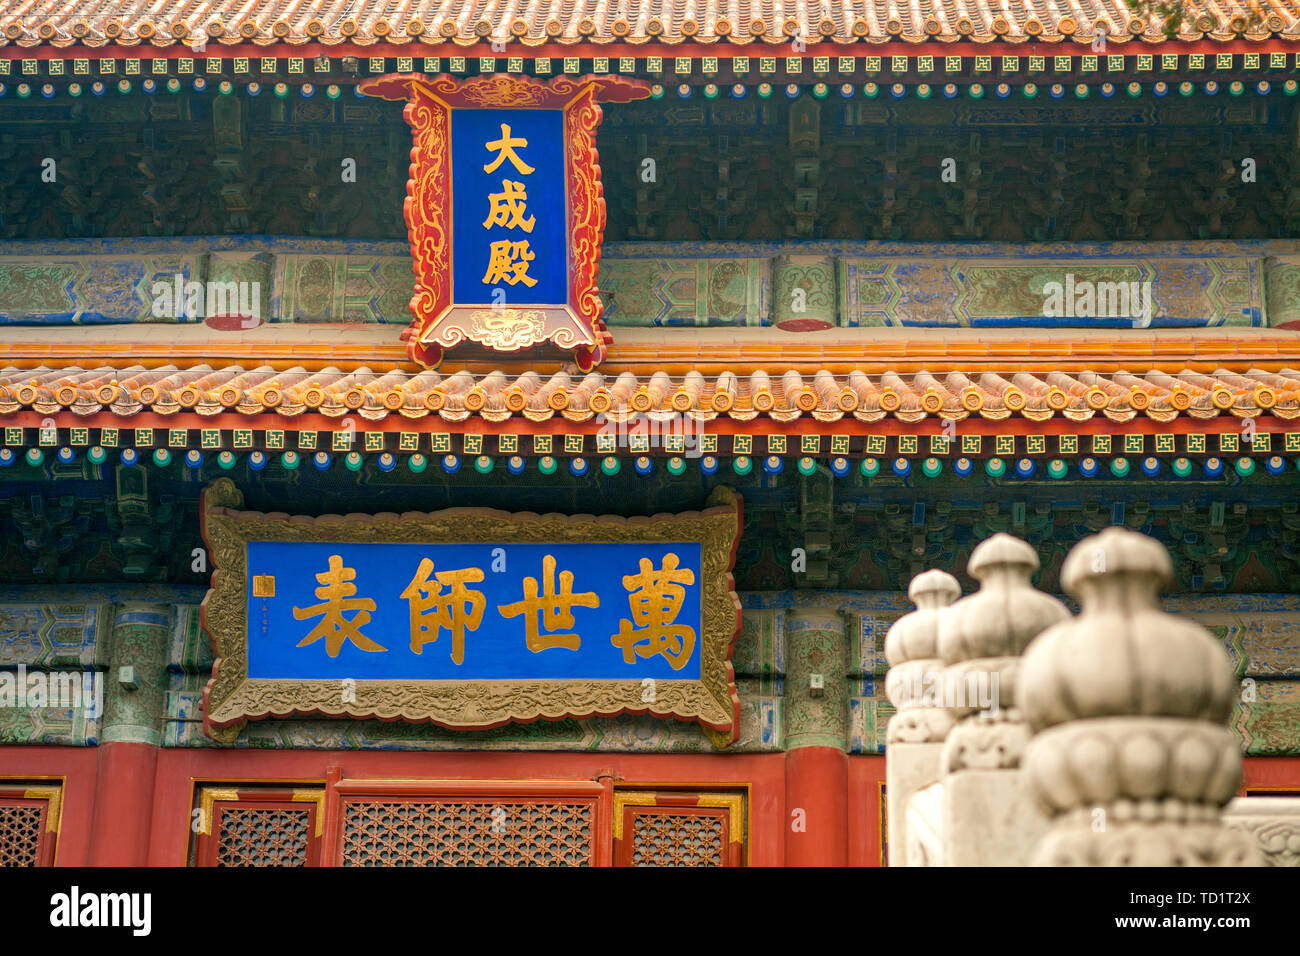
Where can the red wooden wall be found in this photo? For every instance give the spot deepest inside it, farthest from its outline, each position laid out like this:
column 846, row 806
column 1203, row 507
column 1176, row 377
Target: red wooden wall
column 838, row 819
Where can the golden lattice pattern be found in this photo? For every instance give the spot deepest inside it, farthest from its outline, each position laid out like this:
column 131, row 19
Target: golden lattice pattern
column 678, row 839
column 20, row 835
column 263, row 836
column 461, row 833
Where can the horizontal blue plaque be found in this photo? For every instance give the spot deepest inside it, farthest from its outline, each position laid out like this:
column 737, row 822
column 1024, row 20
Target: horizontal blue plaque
column 599, row 611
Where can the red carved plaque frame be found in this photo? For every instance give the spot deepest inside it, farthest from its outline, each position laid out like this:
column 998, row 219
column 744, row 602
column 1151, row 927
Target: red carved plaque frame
column 438, row 323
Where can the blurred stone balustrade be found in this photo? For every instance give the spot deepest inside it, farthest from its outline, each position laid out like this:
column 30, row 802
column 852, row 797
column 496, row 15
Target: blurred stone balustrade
column 1102, row 738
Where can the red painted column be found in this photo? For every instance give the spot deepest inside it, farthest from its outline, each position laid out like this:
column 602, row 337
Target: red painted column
column 817, row 783
column 816, row 728
column 120, row 827
column 135, row 688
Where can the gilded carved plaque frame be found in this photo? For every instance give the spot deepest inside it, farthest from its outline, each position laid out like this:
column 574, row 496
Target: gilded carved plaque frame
column 231, row 697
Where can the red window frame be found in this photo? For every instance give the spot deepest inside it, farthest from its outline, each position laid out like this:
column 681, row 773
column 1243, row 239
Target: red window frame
column 48, row 798
column 215, row 801
column 613, row 817
column 629, row 805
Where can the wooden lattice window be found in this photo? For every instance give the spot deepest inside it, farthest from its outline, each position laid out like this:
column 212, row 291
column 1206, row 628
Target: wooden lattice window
column 679, row 829
column 29, row 824
column 252, row 827
column 467, row 824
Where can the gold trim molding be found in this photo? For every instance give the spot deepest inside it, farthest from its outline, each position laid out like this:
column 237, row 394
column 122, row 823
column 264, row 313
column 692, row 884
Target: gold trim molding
column 733, row 802
column 209, row 797
column 53, row 796
column 624, row 799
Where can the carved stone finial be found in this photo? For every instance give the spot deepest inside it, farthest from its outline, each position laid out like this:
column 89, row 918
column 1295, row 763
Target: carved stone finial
column 981, row 640
column 916, row 635
column 914, row 681
column 1128, row 703
column 1124, row 656
column 914, row 686
column 1007, row 612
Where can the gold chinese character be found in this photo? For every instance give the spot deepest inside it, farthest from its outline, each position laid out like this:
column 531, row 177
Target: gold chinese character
column 509, row 263
column 549, row 610
column 336, row 594
column 431, row 610
column 505, row 149
column 508, row 207
column 655, row 597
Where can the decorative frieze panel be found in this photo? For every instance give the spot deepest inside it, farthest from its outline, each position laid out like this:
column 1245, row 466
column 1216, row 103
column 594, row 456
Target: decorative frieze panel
column 77, row 289
column 1083, row 292
column 845, row 283
column 52, row 635
column 342, row 288
column 677, row 291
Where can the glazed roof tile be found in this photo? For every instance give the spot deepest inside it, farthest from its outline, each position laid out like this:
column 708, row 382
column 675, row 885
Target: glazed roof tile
column 281, row 370
column 779, row 395
column 740, row 24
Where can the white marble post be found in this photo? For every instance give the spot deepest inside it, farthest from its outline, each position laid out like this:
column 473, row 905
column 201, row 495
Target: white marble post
column 914, row 686
column 1130, row 754
column 988, row 815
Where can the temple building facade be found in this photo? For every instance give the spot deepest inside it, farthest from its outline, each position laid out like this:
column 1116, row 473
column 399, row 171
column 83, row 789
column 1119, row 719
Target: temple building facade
column 491, row 434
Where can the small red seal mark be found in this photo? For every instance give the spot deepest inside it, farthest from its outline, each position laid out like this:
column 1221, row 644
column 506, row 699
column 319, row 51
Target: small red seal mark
column 232, row 323
column 804, row 325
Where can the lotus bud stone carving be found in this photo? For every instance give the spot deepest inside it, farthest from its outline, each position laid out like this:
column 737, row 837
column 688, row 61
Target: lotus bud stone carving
column 1123, row 655
column 915, row 636
column 915, row 680
column 1006, row 613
